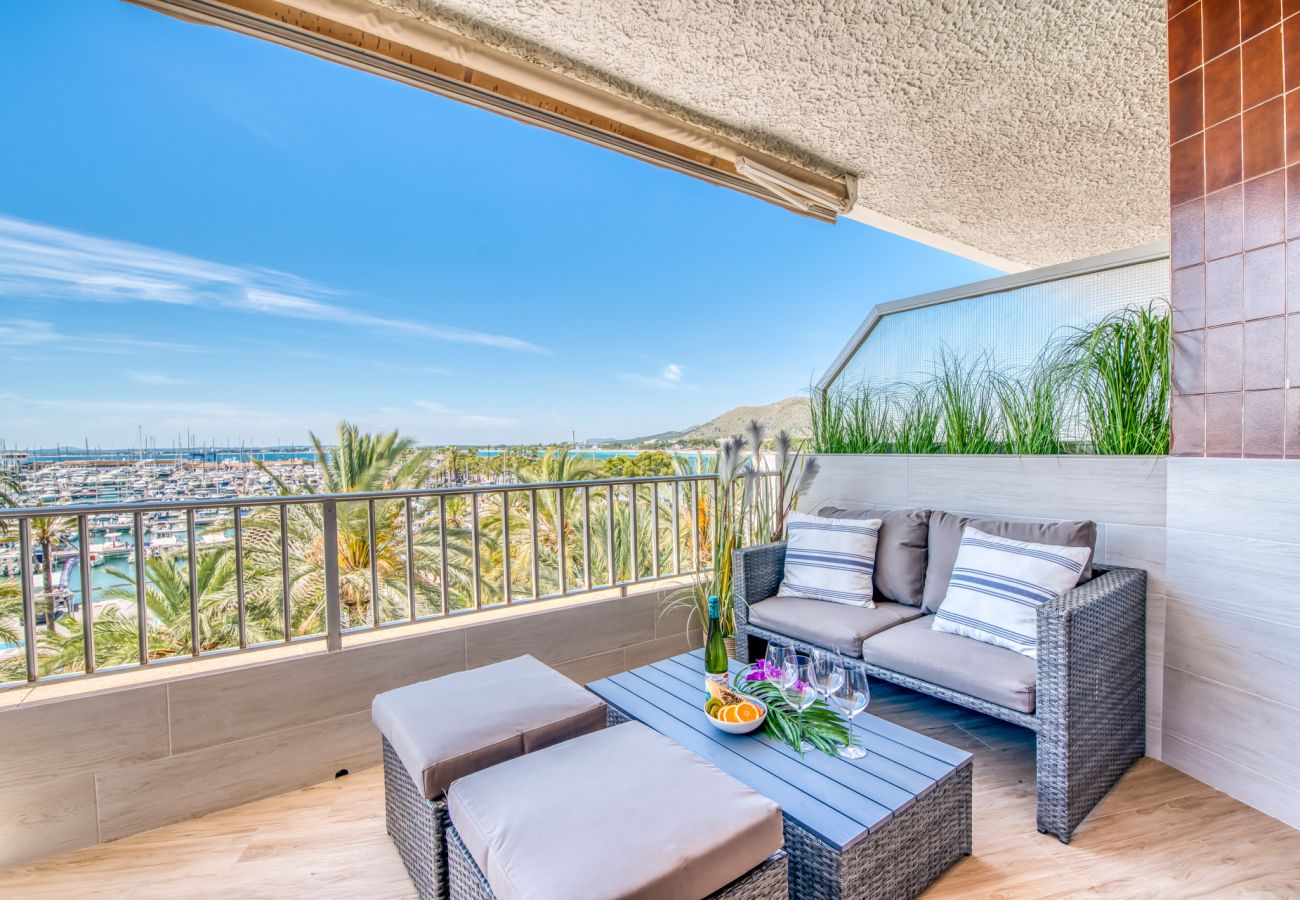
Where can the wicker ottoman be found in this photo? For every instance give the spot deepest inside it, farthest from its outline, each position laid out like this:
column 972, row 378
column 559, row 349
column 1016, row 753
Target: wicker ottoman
column 437, row 731
column 620, row 813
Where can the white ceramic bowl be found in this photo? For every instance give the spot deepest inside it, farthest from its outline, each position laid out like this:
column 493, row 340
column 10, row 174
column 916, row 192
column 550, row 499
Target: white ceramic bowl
column 742, row 727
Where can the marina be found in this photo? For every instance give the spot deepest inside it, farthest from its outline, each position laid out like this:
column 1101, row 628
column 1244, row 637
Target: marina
column 118, row 477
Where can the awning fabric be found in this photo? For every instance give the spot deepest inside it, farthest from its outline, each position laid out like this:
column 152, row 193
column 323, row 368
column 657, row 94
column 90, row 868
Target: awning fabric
column 368, row 36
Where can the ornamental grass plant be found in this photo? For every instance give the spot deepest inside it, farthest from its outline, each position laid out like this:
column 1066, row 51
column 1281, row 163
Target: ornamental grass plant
column 1120, row 371
column 1101, row 389
column 1031, row 407
column 966, row 403
column 755, row 493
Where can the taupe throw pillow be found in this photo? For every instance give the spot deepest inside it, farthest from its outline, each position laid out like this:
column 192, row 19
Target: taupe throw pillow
column 900, row 549
column 945, row 539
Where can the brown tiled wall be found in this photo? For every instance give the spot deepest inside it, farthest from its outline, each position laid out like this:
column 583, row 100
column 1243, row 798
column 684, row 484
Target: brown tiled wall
column 1234, row 185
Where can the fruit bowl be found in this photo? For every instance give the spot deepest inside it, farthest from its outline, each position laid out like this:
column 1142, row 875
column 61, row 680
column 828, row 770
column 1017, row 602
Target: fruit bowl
column 735, row 713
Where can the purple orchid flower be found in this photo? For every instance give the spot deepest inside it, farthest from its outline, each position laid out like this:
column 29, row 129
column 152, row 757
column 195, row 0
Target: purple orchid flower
column 763, row 671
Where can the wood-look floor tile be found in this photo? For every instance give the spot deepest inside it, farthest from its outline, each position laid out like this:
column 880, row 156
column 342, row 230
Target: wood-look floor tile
column 1159, row 833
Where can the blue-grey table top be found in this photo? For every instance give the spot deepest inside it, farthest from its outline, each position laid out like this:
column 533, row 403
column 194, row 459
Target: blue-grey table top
column 841, row 801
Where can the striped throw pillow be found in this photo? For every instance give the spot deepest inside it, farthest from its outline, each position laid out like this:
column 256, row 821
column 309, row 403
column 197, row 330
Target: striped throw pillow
column 998, row 584
column 830, row 559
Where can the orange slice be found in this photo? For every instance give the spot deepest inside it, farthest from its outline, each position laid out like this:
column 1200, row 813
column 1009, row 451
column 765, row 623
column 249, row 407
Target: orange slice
column 730, row 714
column 747, row 712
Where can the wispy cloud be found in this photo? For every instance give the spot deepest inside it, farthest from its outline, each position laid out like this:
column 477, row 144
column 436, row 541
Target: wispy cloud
column 189, row 410
column 46, row 262
column 672, row 378
column 157, row 378
column 36, row 333
column 444, row 416
column 411, row 370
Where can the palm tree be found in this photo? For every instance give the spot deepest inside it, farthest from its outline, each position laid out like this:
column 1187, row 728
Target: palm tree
column 556, row 465
column 14, row 666
column 11, row 485
column 167, row 600
column 359, row 462
column 455, row 461
column 48, row 533
column 168, row 628
column 624, row 497
column 11, row 611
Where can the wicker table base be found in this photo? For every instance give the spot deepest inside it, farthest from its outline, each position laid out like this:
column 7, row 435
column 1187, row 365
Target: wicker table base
column 767, row 881
column 900, row 860
column 843, row 841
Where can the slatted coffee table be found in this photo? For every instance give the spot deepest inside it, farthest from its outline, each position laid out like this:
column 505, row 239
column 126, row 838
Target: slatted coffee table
column 884, row 826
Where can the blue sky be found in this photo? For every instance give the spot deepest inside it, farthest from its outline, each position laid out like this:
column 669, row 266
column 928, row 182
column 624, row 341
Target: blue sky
column 204, row 232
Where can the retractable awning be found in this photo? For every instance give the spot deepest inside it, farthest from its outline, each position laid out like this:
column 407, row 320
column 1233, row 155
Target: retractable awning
column 365, row 35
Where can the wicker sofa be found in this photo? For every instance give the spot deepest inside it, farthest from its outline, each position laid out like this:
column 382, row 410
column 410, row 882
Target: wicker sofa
column 1087, row 690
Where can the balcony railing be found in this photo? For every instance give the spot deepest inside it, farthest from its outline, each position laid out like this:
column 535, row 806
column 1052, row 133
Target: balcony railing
column 215, row 576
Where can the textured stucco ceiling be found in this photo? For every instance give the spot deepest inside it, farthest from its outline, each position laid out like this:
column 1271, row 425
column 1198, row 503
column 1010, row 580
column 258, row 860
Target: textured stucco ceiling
column 1031, row 131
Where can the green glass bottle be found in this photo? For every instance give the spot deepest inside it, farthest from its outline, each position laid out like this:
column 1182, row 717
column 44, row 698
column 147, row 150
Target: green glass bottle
column 715, row 651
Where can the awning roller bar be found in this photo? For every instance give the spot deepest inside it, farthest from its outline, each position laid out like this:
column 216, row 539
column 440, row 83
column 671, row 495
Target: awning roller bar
column 365, row 35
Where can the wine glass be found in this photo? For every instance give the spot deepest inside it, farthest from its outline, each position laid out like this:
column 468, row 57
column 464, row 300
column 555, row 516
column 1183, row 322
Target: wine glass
column 827, row 670
column 850, row 698
column 777, row 651
column 798, row 689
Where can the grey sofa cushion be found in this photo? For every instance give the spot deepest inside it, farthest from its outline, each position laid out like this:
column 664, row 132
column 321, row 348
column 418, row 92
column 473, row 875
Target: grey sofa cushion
column 624, row 812
column 825, row 624
column 945, row 539
column 958, row 663
column 451, row 726
column 901, row 549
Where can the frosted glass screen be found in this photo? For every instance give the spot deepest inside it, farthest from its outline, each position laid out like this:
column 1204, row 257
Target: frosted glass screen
column 1013, row 326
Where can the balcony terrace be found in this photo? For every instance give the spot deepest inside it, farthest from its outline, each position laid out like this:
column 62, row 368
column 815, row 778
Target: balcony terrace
column 1159, row 833
column 204, row 726
column 283, row 726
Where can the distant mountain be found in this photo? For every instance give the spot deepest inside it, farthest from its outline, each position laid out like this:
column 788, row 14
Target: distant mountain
column 790, row 414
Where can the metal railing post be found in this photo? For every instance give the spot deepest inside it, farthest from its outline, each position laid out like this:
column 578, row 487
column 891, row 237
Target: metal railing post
column 372, row 551
column 633, row 536
column 29, row 606
column 442, row 553
column 410, row 559
column 241, row 609
column 87, row 593
column 474, row 550
column 654, row 526
column 532, row 528
column 333, row 607
column 560, row 542
column 193, row 558
column 505, row 547
column 610, row 563
column 141, row 595
column 677, row 535
column 286, row 607
column 586, row 536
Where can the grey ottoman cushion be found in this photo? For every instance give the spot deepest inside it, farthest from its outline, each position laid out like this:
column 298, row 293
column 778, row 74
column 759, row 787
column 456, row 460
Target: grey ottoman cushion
column 900, row 550
column 828, row 624
column 990, row 673
column 451, row 726
column 945, row 540
column 624, row 812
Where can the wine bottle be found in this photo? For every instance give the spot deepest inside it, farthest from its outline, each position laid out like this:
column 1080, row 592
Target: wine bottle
column 715, row 651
